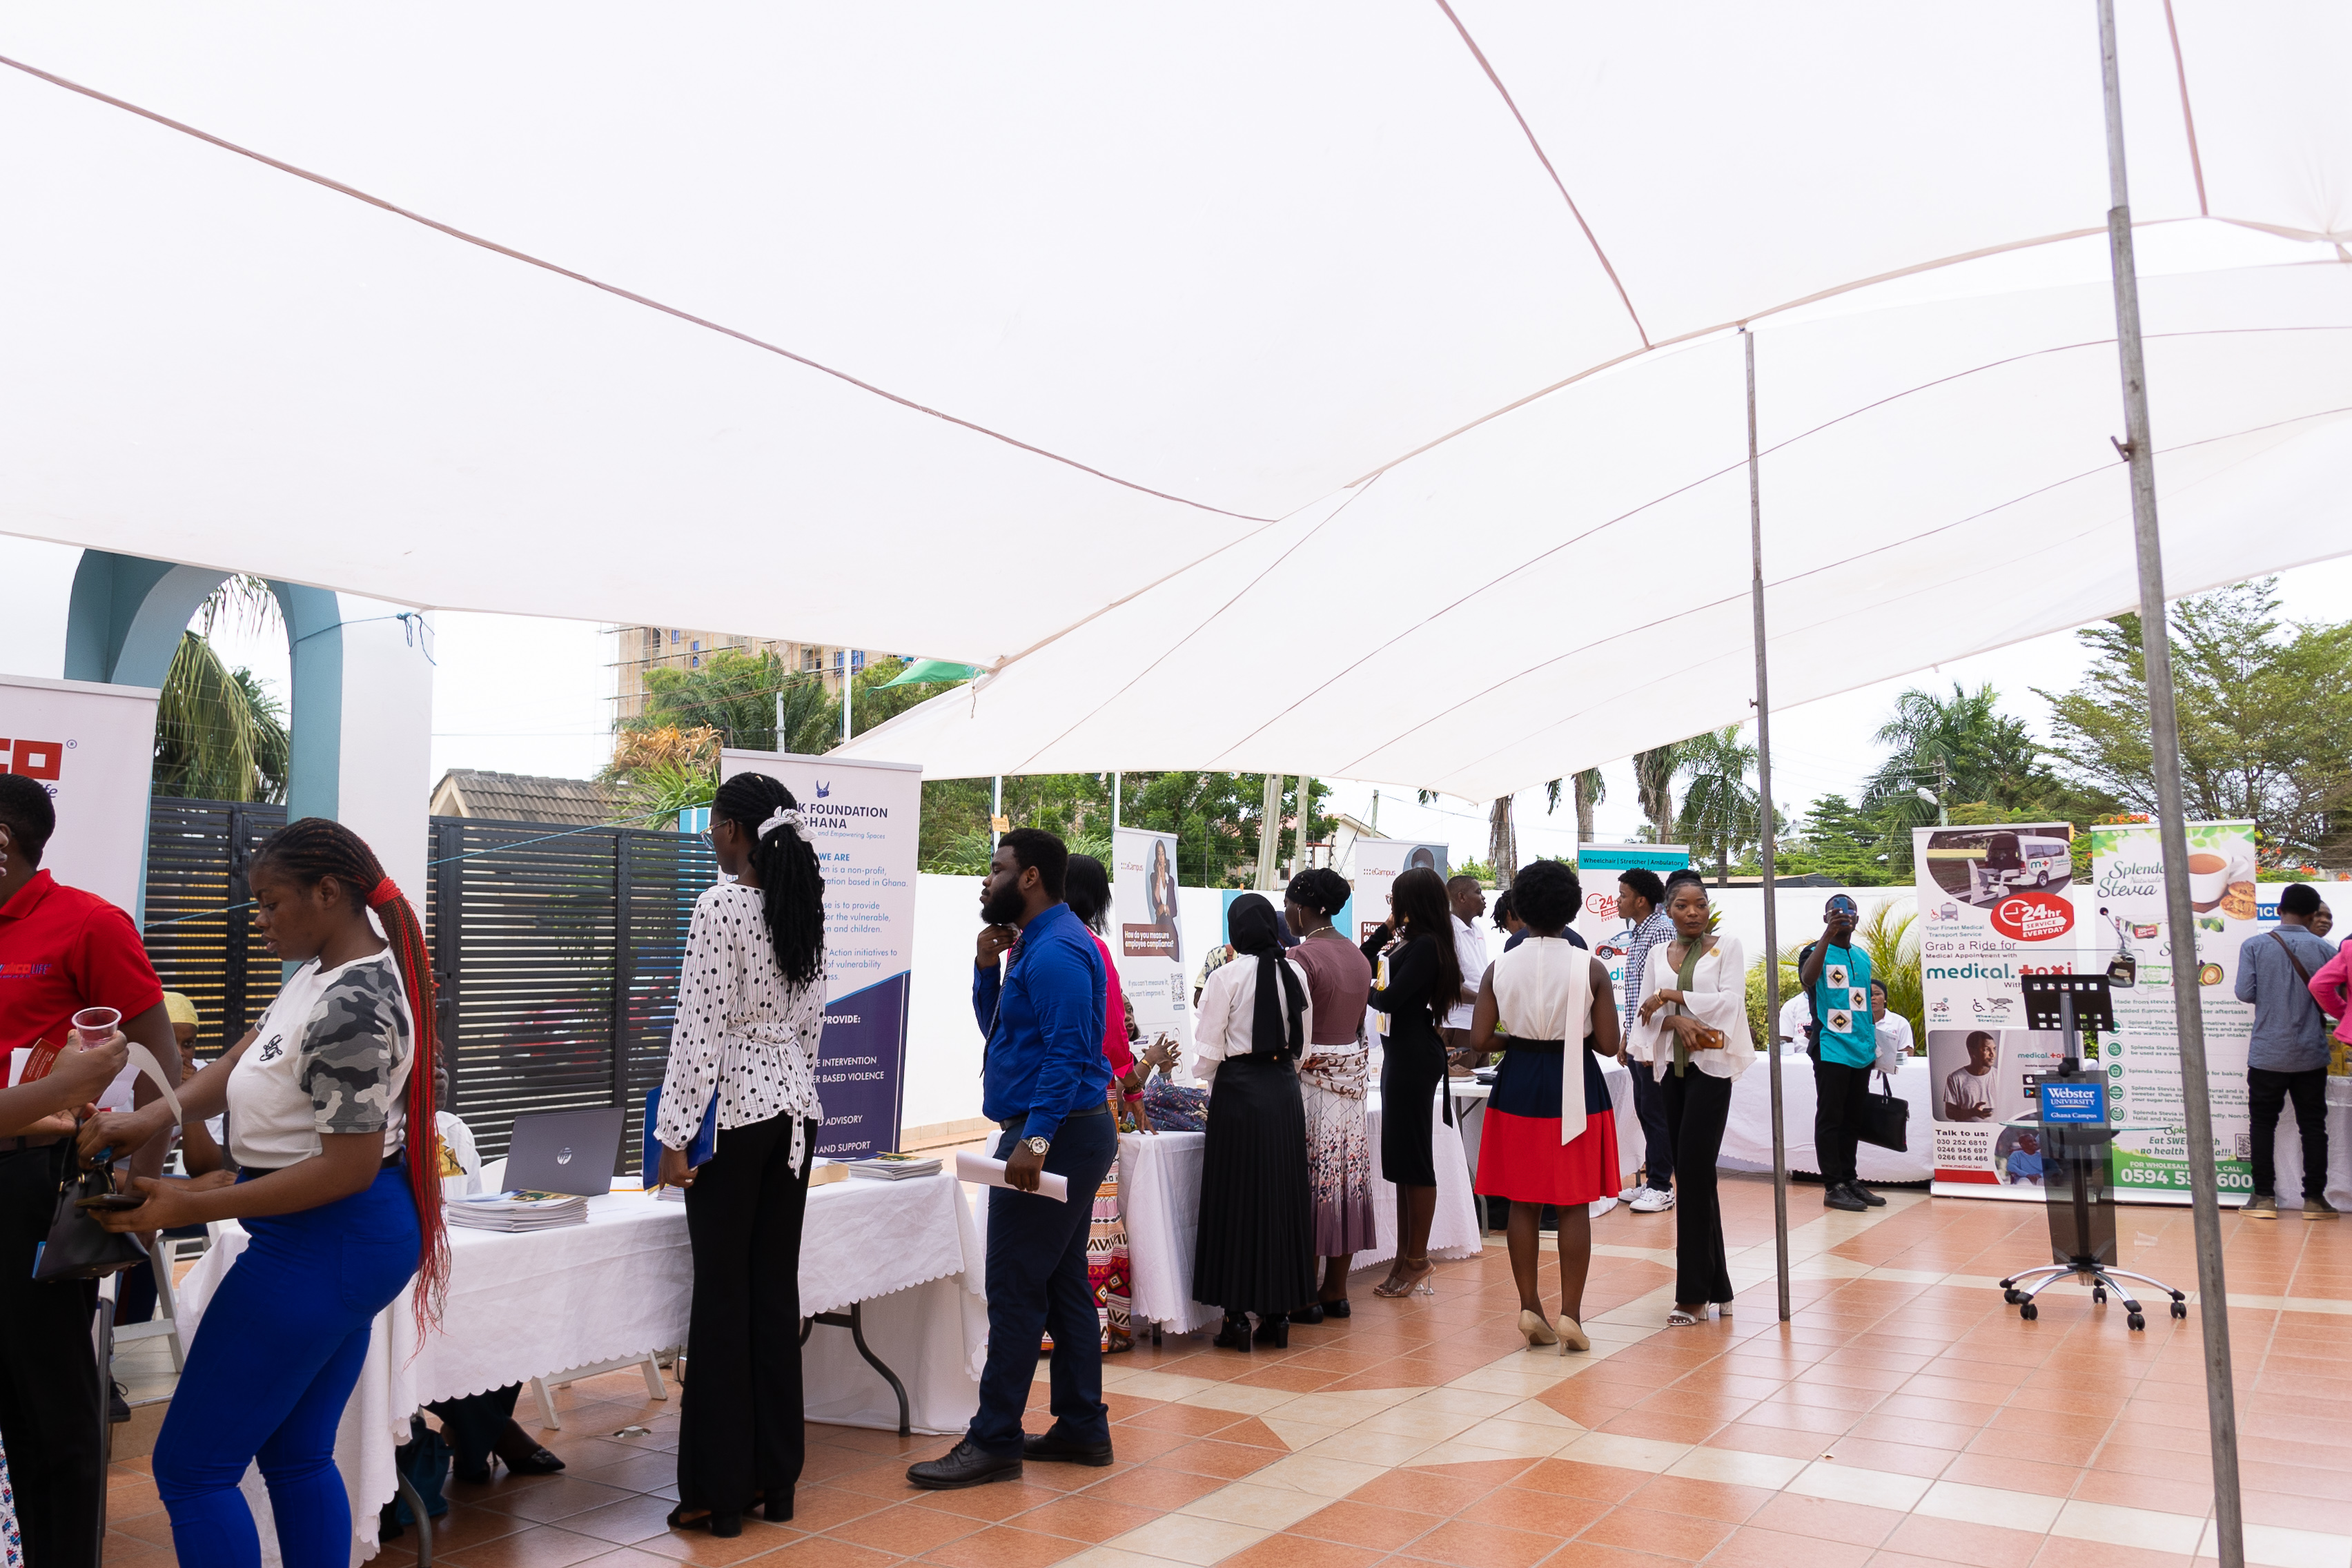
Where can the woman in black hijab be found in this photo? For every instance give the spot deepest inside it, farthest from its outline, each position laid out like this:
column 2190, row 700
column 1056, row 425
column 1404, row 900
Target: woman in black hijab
column 1254, row 1250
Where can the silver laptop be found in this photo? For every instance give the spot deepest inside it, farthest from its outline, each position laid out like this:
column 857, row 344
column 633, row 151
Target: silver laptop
column 565, row 1151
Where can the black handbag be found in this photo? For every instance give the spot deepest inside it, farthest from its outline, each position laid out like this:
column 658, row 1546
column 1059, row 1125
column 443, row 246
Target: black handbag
column 78, row 1247
column 1885, row 1118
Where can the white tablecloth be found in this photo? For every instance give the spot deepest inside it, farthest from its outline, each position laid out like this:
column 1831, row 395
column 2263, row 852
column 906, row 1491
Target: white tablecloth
column 2289, row 1149
column 1159, row 1192
column 526, row 1306
column 1747, row 1139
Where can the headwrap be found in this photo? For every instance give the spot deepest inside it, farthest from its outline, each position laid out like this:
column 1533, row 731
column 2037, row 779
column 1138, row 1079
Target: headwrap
column 1320, row 892
column 179, row 1009
column 782, row 816
column 1278, row 1024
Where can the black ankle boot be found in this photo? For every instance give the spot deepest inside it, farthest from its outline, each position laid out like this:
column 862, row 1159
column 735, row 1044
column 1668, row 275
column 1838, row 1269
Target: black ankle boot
column 1274, row 1331
column 1235, row 1334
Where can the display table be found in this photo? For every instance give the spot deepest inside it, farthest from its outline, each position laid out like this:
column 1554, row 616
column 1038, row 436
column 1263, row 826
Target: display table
column 2339, row 1150
column 1160, row 1195
column 541, row 1303
column 1747, row 1136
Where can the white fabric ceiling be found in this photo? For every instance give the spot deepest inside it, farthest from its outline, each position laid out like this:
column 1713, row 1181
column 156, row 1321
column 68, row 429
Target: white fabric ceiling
column 1187, row 270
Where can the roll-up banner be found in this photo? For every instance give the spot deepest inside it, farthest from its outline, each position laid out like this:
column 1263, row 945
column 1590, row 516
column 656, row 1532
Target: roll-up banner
column 864, row 820
column 1149, row 937
column 92, row 747
column 1995, row 903
column 1379, row 863
column 2126, row 918
column 1598, row 867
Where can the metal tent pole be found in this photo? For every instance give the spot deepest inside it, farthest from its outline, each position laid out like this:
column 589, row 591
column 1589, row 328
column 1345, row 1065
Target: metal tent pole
column 995, row 811
column 1764, row 790
column 2155, row 651
column 1114, row 800
column 1269, row 832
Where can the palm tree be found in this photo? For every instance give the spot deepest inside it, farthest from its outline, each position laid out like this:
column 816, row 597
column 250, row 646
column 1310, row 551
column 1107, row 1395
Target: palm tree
column 1963, row 749
column 1591, row 789
column 218, row 734
column 1502, row 843
column 1653, row 780
column 1719, row 810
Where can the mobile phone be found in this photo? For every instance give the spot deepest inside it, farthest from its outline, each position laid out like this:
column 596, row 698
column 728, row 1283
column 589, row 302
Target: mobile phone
column 112, row 1201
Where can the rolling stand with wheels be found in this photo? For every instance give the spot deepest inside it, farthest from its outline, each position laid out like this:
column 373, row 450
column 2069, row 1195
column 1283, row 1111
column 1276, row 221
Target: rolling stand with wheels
column 2076, row 1139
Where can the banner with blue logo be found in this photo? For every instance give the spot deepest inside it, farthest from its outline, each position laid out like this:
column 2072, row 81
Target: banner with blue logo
column 864, row 820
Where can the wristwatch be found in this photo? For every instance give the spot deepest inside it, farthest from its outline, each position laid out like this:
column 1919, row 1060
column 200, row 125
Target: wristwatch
column 1036, row 1146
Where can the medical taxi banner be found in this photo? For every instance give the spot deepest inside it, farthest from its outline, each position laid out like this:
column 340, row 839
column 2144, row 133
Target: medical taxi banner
column 1598, row 867
column 92, row 747
column 2130, row 938
column 864, row 820
column 1148, row 937
column 1995, row 904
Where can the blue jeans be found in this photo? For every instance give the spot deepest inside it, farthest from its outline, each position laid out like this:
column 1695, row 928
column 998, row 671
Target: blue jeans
column 272, row 1366
column 1037, row 1285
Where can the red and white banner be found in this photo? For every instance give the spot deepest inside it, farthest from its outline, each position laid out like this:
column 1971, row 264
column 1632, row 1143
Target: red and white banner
column 92, row 747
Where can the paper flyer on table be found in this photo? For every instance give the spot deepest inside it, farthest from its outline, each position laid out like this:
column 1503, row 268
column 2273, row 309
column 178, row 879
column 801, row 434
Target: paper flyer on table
column 988, row 1172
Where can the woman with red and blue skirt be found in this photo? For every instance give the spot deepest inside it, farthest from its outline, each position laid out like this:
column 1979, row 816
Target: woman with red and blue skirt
column 1550, row 1136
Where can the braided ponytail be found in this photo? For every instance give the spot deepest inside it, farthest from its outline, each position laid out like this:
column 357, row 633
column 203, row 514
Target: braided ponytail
column 792, row 887
column 307, row 852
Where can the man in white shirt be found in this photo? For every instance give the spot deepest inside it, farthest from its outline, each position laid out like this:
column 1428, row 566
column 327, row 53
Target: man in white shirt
column 1795, row 1013
column 1968, row 1091
column 1469, row 902
column 1894, row 1031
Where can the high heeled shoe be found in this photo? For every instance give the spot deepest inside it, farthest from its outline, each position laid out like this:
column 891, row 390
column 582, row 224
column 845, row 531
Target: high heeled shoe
column 1539, row 1332
column 1235, row 1335
column 1572, row 1336
column 1274, row 1331
column 1338, row 1309
column 1310, row 1314
column 1408, row 1283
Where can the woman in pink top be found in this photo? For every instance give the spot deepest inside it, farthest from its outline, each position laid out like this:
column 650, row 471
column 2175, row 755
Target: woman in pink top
column 1086, row 888
column 2330, row 986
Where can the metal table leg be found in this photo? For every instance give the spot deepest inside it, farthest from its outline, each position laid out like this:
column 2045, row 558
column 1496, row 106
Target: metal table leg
column 854, row 1321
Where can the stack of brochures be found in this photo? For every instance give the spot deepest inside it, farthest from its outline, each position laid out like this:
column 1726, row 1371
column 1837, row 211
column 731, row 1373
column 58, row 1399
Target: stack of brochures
column 893, row 1167
column 517, row 1211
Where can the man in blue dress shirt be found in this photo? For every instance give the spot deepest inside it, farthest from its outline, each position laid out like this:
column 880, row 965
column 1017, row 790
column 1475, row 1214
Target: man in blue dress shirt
column 1043, row 1083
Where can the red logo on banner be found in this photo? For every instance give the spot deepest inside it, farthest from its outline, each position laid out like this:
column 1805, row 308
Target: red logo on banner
column 1601, row 904
column 2032, row 917
column 30, row 759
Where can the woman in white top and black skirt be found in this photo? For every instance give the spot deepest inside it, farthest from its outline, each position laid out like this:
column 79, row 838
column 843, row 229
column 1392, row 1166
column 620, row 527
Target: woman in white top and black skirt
column 1694, row 1024
column 742, row 1063
column 1254, row 1250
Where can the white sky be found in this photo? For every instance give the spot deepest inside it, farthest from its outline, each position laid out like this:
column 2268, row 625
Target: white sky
column 523, row 695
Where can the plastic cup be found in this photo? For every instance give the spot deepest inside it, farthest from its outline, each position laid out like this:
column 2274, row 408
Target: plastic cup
column 93, row 1026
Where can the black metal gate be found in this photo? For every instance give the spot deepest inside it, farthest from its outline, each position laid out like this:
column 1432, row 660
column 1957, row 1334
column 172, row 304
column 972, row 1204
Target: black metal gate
column 556, row 951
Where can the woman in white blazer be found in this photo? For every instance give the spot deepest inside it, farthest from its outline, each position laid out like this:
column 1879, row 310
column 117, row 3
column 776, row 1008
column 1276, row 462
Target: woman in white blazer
column 1693, row 1023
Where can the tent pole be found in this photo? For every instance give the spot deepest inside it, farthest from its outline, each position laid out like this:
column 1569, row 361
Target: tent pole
column 1269, row 832
column 848, row 680
column 1114, row 800
column 2156, row 650
column 1764, row 791
column 995, row 810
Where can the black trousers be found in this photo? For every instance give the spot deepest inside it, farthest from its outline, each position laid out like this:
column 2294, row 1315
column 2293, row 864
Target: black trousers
column 1697, row 1106
column 1839, row 1100
column 1657, row 1144
column 1037, row 1286
column 740, row 1418
column 2267, row 1093
column 474, row 1422
column 52, row 1409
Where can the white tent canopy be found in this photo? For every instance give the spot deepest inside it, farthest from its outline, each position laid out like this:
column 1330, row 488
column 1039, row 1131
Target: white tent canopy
column 1131, row 299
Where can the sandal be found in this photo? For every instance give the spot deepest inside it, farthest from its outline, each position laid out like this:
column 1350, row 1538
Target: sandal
column 1413, row 1277
column 1682, row 1317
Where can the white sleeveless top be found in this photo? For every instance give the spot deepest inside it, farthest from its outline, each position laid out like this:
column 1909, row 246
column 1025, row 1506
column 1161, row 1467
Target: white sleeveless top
column 1543, row 991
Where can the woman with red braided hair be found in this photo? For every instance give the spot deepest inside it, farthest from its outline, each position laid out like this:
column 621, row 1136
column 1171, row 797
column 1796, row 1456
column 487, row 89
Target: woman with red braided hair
column 341, row 1205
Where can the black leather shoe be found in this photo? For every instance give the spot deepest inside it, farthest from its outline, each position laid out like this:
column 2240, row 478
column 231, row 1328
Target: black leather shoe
column 1235, row 1335
column 1274, row 1331
column 1865, row 1194
column 1310, row 1314
column 1054, row 1449
column 1844, row 1198
column 522, row 1455
column 964, row 1466
column 1338, row 1309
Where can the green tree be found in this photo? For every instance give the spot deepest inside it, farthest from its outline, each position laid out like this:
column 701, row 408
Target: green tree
column 1720, row 811
column 1964, row 748
column 1837, row 840
column 1653, row 782
column 2265, row 713
column 218, row 734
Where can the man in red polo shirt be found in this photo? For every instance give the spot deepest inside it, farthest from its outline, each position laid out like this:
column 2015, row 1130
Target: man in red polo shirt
column 61, row 950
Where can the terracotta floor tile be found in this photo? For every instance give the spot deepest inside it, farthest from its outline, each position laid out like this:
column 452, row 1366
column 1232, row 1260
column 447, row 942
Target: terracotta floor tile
column 1192, row 1420
column 623, row 1522
column 1366, row 1525
column 1661, row 1428
column 539, row 1546
column 1825, row 1519
column 1961, row 1542
column 1682, row 1535
column 547, row 1501
column 2058, row 1552
column 1293, row 1551
column 905, row 1530
column 1147, row 1486
column 1543, row 1513
column 1602, row 1483
column 1088, row 1517
column 1718, row 1500
column 1421, row 1491
column 2014, row 1472
column 823, row 1552
column 1465, row 1544
column 1002, row 1546
column 1209, row 1456
column 1752, row 1547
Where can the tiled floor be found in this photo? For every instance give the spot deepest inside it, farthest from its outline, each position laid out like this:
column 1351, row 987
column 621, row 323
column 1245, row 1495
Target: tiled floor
column 1904, row 1417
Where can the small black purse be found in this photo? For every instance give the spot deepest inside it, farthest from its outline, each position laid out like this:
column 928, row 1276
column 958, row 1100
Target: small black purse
column 1885, row 1118
column 78, row 1247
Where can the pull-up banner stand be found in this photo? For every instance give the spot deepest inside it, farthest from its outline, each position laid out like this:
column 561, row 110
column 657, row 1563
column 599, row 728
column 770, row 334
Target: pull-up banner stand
column 92, row 747
column 1147, row 936
column 864, row 820
column 1379, row 863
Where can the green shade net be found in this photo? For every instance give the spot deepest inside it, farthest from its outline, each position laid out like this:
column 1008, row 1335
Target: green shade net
column 929, row 671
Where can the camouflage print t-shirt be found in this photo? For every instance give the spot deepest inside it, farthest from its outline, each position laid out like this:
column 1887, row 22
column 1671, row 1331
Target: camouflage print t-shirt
column 331, row 1054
